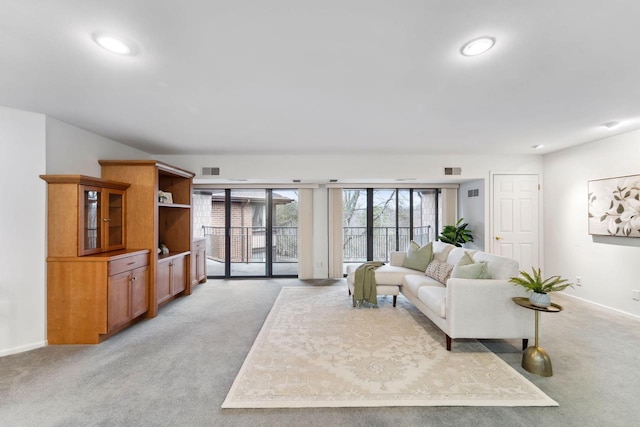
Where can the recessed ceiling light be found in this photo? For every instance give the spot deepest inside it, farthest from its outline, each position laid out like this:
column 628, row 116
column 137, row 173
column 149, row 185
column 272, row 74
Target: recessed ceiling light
column 115, row 44
column 477, row 46
column 611, row 125
column 537, row 147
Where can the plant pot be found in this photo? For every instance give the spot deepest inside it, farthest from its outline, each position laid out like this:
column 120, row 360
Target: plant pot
column 539, row 299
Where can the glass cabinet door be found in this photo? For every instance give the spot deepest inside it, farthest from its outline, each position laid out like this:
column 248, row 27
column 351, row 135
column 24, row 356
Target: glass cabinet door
column 91, row 220
column 101, row 220
column 115, row 220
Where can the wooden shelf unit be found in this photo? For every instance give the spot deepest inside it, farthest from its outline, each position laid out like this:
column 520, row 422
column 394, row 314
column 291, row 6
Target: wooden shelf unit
column 95, row 287
column 150, row 222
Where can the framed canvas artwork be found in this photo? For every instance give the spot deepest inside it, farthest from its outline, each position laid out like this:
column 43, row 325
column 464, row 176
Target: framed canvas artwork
column 614, row 206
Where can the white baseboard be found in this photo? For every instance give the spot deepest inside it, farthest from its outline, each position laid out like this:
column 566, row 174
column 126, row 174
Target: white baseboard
column 22, row 348
column 602, row 305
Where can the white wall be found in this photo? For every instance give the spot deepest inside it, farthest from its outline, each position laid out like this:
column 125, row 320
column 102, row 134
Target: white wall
column 472, row 209
column 72, row 150
column 370, row 167
column 363, row 167
column 22, row 231
column 606, row 265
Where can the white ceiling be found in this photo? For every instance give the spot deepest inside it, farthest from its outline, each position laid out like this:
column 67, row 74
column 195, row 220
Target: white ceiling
column 331, row 76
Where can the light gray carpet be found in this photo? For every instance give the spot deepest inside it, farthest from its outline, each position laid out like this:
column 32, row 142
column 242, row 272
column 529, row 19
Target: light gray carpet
column 176, row 369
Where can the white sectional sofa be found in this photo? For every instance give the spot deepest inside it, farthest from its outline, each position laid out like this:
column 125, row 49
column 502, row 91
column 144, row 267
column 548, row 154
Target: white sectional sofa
column 461, row 308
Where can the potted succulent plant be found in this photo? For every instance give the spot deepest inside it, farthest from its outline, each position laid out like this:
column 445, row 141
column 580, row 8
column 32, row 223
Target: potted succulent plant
column 457, row 234
column 540, row 287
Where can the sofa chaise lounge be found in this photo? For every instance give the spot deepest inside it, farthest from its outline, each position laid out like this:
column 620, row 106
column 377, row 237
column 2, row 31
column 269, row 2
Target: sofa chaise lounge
column 460, row 307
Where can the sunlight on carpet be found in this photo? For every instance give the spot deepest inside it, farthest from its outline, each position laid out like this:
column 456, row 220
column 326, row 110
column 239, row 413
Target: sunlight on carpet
column 316, row 350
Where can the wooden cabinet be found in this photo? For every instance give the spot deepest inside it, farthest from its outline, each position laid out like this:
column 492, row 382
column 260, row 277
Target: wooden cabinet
column 95, row 287
column 92, row 297
column 198, row 261
column 119, row 301
column 172, row 277
column 127, row 289
column 86, row 215
column 151, row 222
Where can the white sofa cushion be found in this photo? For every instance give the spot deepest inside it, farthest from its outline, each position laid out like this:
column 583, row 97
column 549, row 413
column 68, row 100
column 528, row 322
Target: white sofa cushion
column 499, row 267
column 415, row 281
column 441, row 250
column 391, row 274
column 434, row 297
column 456, row 253
column 381, row 288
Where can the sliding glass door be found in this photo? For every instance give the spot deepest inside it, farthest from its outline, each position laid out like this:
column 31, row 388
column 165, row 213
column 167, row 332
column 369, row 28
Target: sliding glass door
column 379, row 221
column 253, row 233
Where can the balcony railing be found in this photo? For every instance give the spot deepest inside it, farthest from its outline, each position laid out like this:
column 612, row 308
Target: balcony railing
column 384, row 241
column 248, row 243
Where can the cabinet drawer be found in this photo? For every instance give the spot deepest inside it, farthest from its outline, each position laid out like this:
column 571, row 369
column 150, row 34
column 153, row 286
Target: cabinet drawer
column 128, row 263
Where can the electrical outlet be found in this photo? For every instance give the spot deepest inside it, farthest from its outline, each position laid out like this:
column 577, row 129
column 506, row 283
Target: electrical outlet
column 636, row 295
column 578, row 281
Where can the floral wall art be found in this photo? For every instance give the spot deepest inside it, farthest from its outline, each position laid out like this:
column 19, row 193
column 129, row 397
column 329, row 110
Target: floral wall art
column 614, row 206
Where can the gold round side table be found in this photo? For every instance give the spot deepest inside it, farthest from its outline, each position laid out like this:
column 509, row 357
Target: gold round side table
column 534, row 358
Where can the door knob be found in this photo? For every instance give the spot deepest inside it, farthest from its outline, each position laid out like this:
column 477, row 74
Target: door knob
column 498, row 238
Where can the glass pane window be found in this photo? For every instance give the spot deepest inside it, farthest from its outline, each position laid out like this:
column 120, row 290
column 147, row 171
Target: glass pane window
column 92, row 220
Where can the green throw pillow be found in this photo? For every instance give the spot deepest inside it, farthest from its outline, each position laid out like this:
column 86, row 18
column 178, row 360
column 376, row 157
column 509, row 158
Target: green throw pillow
column 466, row 259
column 476, row 270
column 419, row 259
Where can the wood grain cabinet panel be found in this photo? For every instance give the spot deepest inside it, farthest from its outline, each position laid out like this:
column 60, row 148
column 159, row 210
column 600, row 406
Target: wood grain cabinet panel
column 171, row 277
column 128, row 295
column 119, row 301
column 139, row 291
column 163, row 281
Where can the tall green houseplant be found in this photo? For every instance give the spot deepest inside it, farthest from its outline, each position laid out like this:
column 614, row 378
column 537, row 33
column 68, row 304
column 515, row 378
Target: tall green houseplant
column 456, row 235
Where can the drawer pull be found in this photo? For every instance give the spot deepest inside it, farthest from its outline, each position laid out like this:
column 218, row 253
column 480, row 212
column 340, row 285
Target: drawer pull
column 131, row 263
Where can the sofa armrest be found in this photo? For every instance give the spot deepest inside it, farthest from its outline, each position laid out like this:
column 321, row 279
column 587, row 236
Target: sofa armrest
column 484, row 309
column 396, row 258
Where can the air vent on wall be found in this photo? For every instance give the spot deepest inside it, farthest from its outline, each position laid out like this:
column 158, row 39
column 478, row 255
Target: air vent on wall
column 453, row 171
column 473, row 193
column 210, row 171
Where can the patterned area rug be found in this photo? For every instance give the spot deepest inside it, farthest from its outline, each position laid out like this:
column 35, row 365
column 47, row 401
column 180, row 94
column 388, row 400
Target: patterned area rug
column 316, row 350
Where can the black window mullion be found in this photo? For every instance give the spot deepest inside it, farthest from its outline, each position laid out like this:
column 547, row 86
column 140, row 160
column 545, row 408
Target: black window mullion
column 227, row 233
column 268, row 232
column 369, row 224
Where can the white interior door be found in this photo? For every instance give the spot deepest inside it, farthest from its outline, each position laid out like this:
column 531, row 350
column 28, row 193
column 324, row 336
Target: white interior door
column 515, row 219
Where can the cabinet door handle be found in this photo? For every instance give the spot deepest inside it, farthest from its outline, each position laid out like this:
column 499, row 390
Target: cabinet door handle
column 106, row 219
column 498, row 238
column 134, row 278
